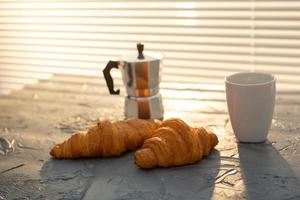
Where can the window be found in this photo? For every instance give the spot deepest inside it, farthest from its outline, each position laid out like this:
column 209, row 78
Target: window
column 202, row 40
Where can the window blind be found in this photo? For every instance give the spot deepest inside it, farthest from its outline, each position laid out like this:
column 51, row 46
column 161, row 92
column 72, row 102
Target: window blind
column 202, row 41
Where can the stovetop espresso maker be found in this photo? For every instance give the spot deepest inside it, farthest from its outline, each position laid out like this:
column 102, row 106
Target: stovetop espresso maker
column 141, row 77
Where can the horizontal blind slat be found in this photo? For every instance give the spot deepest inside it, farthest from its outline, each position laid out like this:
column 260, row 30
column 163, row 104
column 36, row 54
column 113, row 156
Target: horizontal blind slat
column 116, row 36
column 127, row 13
column 242, row 23
column 110, row 39
column 128, row 5
column 126, row 29
column 33, row 56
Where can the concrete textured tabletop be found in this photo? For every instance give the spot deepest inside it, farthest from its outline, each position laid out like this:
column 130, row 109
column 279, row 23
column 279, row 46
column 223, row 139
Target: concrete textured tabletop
column 43, row 114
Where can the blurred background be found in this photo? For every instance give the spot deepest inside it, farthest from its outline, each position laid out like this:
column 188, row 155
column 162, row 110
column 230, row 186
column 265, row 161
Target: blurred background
column 202, row 41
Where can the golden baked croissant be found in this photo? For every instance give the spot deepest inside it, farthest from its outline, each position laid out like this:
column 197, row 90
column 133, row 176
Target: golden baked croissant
column 175, row 143
column 106, row 139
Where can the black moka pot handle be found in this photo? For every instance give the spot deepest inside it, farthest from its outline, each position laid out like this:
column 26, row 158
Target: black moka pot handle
column 108, row 78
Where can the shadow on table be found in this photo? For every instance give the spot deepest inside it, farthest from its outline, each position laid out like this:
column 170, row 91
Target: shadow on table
column 121, row 179
column 266, row 173
column 65, row 179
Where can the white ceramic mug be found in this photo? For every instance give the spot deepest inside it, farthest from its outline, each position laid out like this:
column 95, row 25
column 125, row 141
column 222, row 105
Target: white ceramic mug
column 250, row 102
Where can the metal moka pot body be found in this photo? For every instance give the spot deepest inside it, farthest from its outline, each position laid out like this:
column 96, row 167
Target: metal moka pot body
column 144, row 107
column 141, row 76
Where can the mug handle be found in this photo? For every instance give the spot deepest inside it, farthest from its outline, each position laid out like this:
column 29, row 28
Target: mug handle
column 108, row 78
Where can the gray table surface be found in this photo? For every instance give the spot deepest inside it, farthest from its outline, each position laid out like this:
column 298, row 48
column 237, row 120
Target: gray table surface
column 43, row 114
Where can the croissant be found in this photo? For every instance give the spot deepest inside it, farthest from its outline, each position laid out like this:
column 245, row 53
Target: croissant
column 106, row 139
column 175, row 143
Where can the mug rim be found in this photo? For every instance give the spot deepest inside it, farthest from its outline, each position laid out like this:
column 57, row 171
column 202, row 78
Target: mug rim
column 250, row 84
